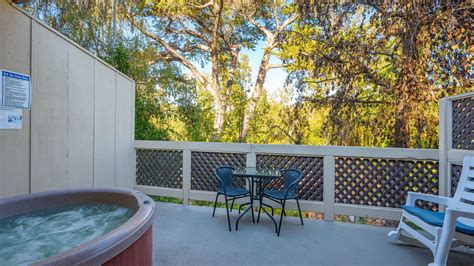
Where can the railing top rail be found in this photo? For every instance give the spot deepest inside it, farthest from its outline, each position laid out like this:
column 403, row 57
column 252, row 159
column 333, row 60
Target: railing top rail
column 194, row 146
column 460, row 96
column 287, row 149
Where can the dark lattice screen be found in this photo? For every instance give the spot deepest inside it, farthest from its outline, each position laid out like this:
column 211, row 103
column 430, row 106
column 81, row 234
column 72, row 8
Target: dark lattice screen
column 384, row 183
column 160, row 168
column 463, row 124
column 203, row 165
column 455, row 176
column 311, row 186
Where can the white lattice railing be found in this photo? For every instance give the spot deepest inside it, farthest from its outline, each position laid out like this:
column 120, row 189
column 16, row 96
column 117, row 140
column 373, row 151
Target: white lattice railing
column 358, row 181
column 350, row 180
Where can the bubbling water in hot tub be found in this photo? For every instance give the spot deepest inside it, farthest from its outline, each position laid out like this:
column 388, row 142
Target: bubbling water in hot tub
column 34, row 236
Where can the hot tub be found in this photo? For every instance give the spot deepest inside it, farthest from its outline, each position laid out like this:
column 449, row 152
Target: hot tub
column 128, row 244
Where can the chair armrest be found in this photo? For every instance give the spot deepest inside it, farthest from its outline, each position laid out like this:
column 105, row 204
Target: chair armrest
column 459, row 213
column 221, row 184
column 414, row 196
column 291, row 187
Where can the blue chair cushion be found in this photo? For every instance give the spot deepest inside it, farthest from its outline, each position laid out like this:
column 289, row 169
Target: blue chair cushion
column 234, row 192
column 279, row 194
column 436, row 219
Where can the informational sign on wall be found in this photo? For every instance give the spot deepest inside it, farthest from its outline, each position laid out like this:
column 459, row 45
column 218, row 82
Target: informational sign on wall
column 11, row 118
column 15, row 90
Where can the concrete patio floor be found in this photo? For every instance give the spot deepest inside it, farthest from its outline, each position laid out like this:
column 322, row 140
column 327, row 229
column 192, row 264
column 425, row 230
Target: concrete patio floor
column 188, row 235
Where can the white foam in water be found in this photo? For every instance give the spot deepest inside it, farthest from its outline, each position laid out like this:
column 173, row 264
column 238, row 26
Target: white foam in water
column 30, row 237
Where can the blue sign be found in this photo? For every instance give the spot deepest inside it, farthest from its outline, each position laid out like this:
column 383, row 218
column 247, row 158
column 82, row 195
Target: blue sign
column 15, row 90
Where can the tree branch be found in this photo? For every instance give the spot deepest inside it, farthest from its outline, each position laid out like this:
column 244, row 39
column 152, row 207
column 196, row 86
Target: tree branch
column 287, row 22
column 215, row 41
column 259, row 26
column 173, row 51
column 210, row 3
column 270, row 66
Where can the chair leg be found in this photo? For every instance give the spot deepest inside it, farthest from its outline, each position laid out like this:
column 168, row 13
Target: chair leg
column 259, row 209
column 299, row 210
column 395, row 234
column 228, row 215
column 215, row 203
column 281, row 217
column 283, row 211
column 232, row 205
column 445, row 241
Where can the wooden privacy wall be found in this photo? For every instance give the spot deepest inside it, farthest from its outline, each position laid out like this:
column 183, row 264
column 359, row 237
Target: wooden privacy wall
column 79, row 131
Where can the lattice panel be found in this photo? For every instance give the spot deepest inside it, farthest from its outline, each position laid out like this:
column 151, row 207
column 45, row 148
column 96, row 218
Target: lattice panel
column 455, row 176
column 463, row 124
column 384, row 183
column 311, row 186
column 203, row 165
column 160, row 168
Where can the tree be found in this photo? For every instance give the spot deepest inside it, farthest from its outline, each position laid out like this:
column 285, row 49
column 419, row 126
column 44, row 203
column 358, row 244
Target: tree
column 376, row 56
column 189, row 32
column 272, row 19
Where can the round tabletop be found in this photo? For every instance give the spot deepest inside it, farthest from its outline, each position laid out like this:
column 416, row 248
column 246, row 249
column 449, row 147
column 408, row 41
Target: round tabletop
column 257, row 172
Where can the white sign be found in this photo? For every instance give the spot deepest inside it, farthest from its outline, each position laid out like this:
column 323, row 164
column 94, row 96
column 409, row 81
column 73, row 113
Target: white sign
column 15, row 90
column 11, row 118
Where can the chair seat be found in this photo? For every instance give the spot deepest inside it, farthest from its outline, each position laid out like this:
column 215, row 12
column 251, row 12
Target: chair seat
column 279, row 194
column 436, row 219
column 234, row 192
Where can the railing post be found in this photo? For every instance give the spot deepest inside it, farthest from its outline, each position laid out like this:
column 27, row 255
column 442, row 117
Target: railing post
column 329, row 177
column 444, row 177
column 186, row 176
column 251, row 160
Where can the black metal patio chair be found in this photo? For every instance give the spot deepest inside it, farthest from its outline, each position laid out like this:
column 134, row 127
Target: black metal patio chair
column 290, row 190
column 226, row 188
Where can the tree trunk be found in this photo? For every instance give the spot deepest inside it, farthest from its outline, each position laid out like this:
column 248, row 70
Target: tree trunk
column 219, row 119
column 220, row 110
column 402, row 128
column 220, row 102
column 403, row 109
column 258, row 89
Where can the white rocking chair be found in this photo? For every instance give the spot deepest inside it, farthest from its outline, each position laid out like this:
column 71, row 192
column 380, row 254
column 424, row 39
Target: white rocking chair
column 449, row 229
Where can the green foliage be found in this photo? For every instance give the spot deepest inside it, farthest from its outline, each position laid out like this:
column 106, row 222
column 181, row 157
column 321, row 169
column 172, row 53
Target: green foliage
column 358, row 75
column 374, row 69
column 119, row 58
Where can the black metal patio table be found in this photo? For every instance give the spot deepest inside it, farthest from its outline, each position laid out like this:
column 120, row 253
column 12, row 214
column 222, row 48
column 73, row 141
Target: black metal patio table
column 256, row 176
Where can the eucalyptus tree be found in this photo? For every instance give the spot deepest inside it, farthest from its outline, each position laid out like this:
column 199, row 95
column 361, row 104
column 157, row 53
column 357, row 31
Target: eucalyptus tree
column 273, row 19
column 194, row 34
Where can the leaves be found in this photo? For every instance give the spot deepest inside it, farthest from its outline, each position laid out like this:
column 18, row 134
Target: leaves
column 365, row 73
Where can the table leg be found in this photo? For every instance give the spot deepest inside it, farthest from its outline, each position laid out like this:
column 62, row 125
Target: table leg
column 251, row 200
column 240, row 217
column 250, row 208
column 273, row 220
column 260, row 207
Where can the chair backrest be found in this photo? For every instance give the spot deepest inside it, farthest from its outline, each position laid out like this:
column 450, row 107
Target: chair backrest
column 290, row 176
column 224, row 173
column 464, row 196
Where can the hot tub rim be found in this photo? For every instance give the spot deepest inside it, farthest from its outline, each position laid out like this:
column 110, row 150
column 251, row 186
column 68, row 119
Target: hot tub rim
column 105, row 247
